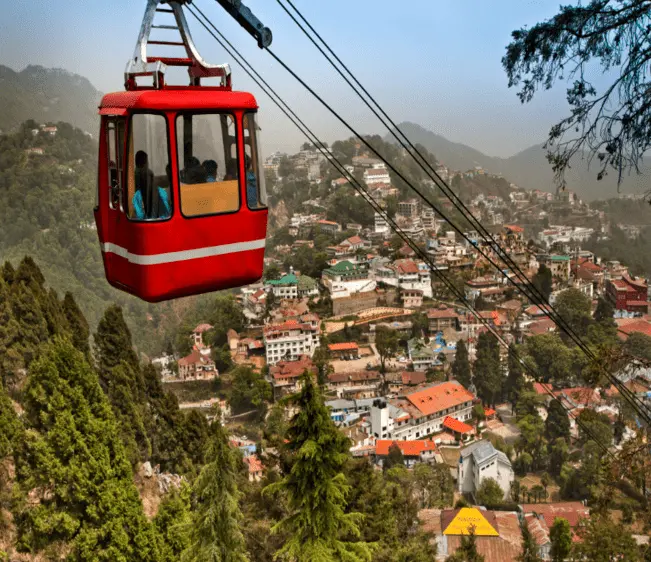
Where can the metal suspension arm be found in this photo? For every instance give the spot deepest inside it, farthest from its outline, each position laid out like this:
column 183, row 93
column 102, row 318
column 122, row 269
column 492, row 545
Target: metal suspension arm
column 245, row 17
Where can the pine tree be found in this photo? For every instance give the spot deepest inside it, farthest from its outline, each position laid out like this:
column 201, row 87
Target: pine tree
column 121, row 378
column 73, row 459
column 10, row 358
column 173, row 522
column 557, row 423
column 394, row 458
column 79, row 329
column 315, row 487
column 461, row 366
column 487, row 370
column 215, row 534
column 467, row 551
column 515, row 382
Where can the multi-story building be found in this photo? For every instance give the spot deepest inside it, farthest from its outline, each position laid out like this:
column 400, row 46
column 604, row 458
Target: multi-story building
column 408, row 208
column 406, row 274
column 628, row 294
column 411, row 298
column 421, row 413
column 197, row 365
column 442, row 318
column 285, row 375
column 481, row 460
column 284, row 288
column 346, row 278
column 381, row 226
column 328, row 227
column 374, row 175
column 559, row 266
column 291, row 339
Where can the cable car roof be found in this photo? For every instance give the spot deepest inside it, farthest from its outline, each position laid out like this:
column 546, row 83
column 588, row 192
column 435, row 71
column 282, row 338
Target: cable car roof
column 181, row 98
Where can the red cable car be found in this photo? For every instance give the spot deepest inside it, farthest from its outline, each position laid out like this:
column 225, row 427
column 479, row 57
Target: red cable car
column 181, row 202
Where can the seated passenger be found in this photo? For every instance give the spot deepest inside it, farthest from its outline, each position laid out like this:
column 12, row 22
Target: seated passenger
column 148, row 202
column 251, row 183
column 210, row 166
column 231, row 170
column 194, row 171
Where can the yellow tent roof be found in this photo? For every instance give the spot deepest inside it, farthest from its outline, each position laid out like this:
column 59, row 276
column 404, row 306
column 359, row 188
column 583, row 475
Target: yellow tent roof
column 466, row 518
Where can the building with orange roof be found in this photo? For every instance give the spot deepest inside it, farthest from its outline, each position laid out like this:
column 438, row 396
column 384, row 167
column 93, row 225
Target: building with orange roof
column 285, row 375
column 344, row 349
column 421, row 413
column 255, row 468
column 413, row 451
column 197, row 335
column 291, row 339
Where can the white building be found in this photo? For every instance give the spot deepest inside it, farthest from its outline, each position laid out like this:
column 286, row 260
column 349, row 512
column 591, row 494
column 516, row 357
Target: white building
column 565, row 234
column 291, row 339
column 422, row 413
column 376, row 175
column 345, row 278
column 406, row 275
column 381, row 225
column 284, row 288
column 481, row 460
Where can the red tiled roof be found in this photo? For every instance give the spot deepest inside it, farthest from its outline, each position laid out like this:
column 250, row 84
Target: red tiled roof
column 542, row 388
column 440, row 397
column 442, row 313
column 535, row 310
column 541, row 326
column 514, row 227
column 354, row 240
column 572, row 511
column 456, row 425
column 408, row 448
column 345, row 346
column 406, row 266
column 201, row 328
column 254, row 464
column 489, row 412
column 413, row 377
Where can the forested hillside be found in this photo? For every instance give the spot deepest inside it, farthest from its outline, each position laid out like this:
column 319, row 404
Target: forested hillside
column 47, row 193
column 47, row 94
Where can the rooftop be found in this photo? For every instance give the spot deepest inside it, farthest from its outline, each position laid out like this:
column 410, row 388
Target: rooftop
column 439, row 397
column 345, row 346
column 408, row 448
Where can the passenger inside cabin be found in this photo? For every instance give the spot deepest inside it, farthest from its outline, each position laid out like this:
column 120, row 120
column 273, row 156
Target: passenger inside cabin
column 148, row 202
column 210, row 167
column 194, row 171
column 231, row 170
column 251, row 183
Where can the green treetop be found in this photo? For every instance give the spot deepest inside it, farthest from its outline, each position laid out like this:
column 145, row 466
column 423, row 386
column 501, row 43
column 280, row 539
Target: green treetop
column 317, row 527
column 73, row 458
column 215, row 534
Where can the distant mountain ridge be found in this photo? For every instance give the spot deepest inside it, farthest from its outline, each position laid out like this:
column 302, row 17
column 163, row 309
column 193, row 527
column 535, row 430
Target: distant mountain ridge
column 47, row 95
column 528, row 169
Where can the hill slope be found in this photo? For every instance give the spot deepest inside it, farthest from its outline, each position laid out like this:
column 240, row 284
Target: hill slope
column 528, row 169
column 47, row 95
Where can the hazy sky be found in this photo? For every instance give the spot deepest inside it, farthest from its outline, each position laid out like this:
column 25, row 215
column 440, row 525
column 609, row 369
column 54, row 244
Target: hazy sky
column 433, row 62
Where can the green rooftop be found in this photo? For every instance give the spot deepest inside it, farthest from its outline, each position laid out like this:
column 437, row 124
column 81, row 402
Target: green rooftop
column 290, row 279
column 560, row 258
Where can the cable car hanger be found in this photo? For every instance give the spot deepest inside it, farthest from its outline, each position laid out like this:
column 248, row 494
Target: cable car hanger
column 142, row 65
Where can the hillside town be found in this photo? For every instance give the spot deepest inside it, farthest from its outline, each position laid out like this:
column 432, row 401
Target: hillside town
column 411, row 374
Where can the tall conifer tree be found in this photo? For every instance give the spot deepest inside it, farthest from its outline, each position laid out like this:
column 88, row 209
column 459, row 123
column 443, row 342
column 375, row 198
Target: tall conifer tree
column 215, row 534
column 73, row 458
column 317, row 527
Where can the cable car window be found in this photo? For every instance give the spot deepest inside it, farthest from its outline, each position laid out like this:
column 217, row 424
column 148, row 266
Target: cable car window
column 208, row 166
column 149, row 197
column 114, row 145
column 256, row 195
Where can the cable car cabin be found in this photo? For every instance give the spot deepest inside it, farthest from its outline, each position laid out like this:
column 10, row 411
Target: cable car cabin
column 182, row 207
